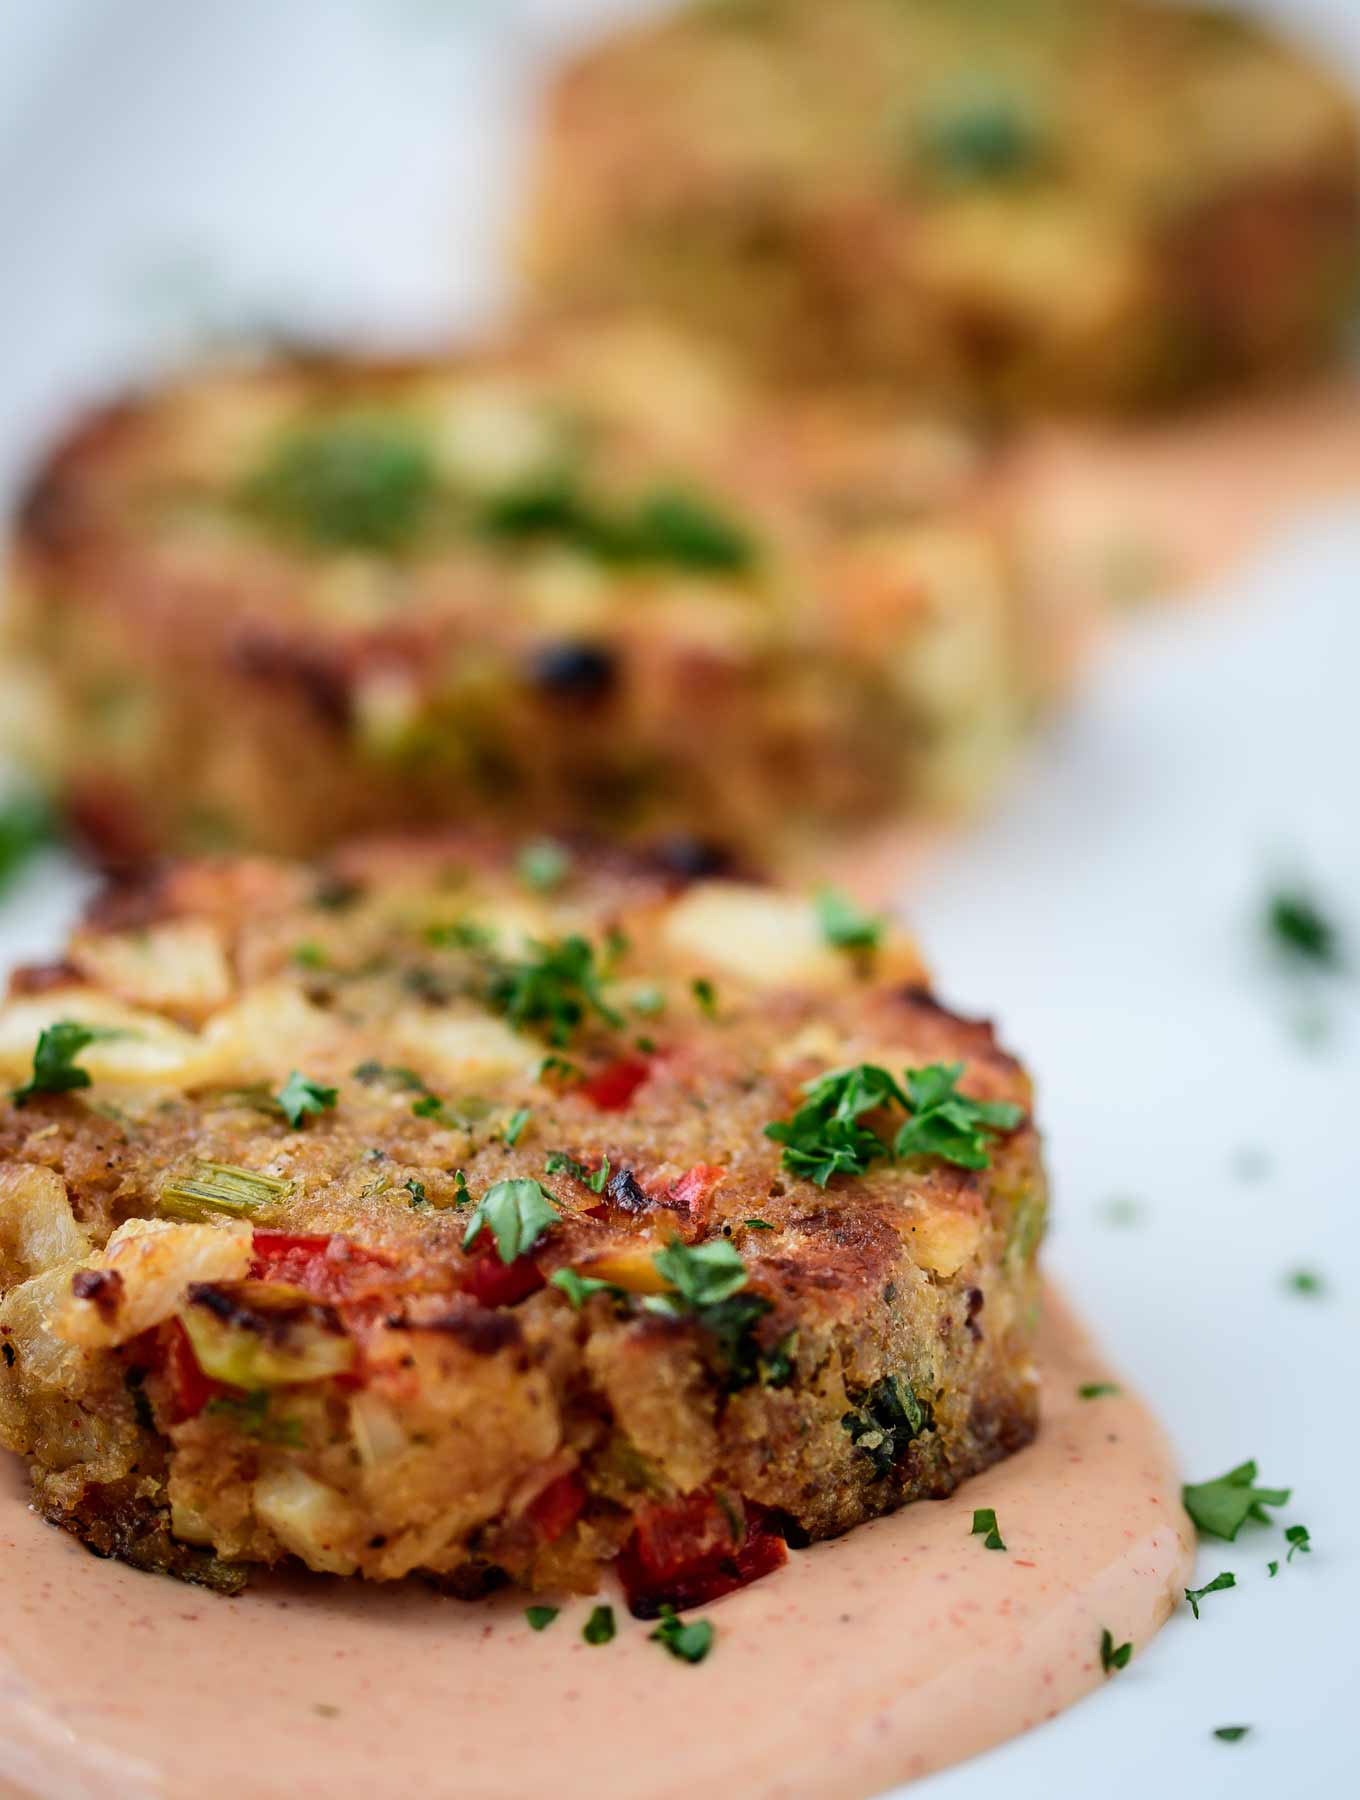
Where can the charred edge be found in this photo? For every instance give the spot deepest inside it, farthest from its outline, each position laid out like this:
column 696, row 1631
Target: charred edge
column 242, row 1317
column 623, row 1190
column 477, row 1328
column 574, row 671
column 103, row 1288
column 41, row 978
column 320, row 682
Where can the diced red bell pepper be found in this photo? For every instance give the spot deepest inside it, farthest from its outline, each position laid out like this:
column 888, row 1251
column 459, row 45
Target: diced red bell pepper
column 693, row 1193
column 686, row 1552
column 190, row 1388
column 557, row 1507
column 329, row 1268
column 491, row 1282
column 613, row 1088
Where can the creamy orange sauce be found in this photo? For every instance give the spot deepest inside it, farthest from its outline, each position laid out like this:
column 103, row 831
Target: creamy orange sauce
column 1118, row 513
column 895, row 1650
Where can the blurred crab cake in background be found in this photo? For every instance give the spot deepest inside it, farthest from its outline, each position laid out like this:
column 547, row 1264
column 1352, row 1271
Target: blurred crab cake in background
column 1022, row 203
column 588, row 579
column 499, row 1216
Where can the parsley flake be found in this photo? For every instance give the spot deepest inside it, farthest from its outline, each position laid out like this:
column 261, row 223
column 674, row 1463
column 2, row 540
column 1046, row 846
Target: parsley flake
column 347, row 483
column 1097, row 1390
column 1296, row 1536
column 1231, row 1734
column 1113, row 1656
column 299, row 1097
column 1300, row 929
column 555, row 986
column 55, row 1070
column 580, row 1288
column 26, row 827
column 846, row 926
column 514, row 1126
column 559, row 1163
column 1216, row 1586
column 984, row 1520
column 416, row 1189
column 705, row 996
column 702, row 1274
column 540, row 1617
column 889, row 1416
column 758, row 1225
column 687, row 1642
column 1306, row 1281
column 825, row 1136
column 543, row 865
column 516, row 1213
column 1221, row 1507
column 599, row 1627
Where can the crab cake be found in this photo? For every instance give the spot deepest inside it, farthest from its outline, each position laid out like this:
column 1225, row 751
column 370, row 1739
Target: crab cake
column 502, row 1216
column 1039, row 203
column 589, row 580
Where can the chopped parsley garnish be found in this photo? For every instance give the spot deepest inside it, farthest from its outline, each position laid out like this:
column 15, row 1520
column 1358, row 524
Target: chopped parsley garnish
column 555, row 986
column 1216, row 1586
column 758, row 1225
column 416, row 1189
column 1272, row 1569
column 348, row 483
column 1220, row 1508
column 516, row 1213
column 374, row 1073
column 580, row 1288
column 1296, row 1536
column 707, row 1282
column 559, row 1066
column 599, row 1627
column 689, row 1642
column 26, row 827
column 889, row 1417
column 1231, row 1734
column 1300, row 929
column 299, row 1097
column 846, row 926
column 540, row 1617
column 461, row 1196
column 515, row 1125
column 702, row 1274
column 984, row 1521
column 543, row 865
column 559, row 1163
column 309, row 956
column 1306, row 1281
column 55, row 1070
column 825, row 1137
column 1097, row 1390
column 1113, row 1656
column 666, row 526
column 982, row 135
column 705, row 996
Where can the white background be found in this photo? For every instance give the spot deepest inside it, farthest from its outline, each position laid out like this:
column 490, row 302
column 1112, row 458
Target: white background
column 169, row 170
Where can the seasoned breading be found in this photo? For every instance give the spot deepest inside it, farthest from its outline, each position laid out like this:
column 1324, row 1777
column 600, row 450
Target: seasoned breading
column 1071, row 203
column 585, row 579
column 421, row 1213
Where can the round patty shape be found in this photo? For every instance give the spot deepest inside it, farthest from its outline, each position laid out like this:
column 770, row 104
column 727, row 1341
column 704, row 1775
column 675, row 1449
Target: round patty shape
column 503, row 1216
column 1029, row 204
column 590, row 579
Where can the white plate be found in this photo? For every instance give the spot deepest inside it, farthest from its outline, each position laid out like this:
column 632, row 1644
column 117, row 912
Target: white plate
column 348, row 165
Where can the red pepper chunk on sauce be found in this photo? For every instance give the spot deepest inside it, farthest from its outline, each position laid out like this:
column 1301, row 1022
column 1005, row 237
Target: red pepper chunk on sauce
column 686, row 1552
column 490, row 1282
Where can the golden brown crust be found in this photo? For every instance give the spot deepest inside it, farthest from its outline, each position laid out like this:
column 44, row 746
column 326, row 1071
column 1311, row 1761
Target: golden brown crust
column 217, row 644
column 1060, row 203
column 406, row 1402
